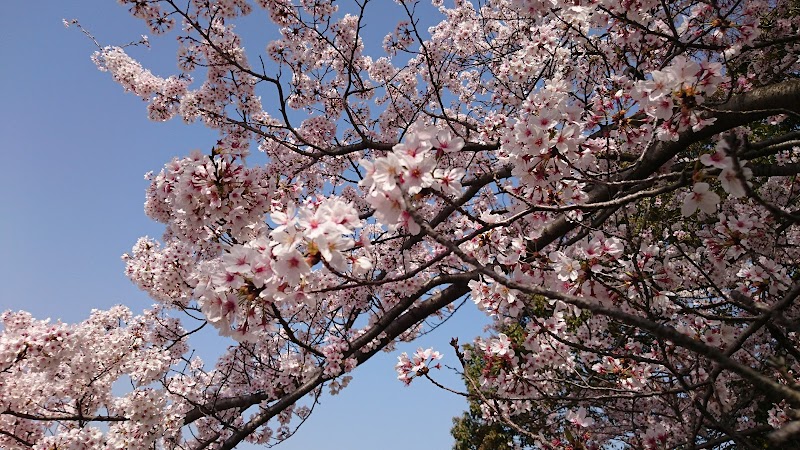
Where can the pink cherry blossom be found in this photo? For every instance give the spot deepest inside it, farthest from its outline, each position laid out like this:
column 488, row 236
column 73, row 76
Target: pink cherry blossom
column 501, row 346
column 418, row 365
column 579, row 418
column 700, row 198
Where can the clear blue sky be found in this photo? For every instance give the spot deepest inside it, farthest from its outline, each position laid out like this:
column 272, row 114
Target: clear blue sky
column 75, row 149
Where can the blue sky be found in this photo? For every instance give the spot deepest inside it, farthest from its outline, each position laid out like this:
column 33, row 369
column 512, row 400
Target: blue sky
column 75, row 150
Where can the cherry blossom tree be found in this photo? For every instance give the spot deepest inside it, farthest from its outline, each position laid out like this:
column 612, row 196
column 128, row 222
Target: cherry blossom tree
column 613, row 183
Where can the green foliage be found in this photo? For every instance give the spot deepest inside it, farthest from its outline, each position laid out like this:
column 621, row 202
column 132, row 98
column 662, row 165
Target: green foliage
column 471, row 432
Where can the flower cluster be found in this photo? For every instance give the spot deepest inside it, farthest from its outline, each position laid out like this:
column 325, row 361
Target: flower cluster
column 70, row 370
column 682, row 85
column 393, row 180
column 238, row 290
column 191, row 193
column 418, row 365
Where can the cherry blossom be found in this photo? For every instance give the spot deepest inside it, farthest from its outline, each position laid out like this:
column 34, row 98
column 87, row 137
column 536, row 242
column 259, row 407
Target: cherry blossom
column 416, row 366
column 579, row 418
column 700, row 198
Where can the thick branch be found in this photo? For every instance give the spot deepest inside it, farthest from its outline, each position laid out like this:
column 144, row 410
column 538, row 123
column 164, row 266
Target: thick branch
column 739, row 110
column 65, row 417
